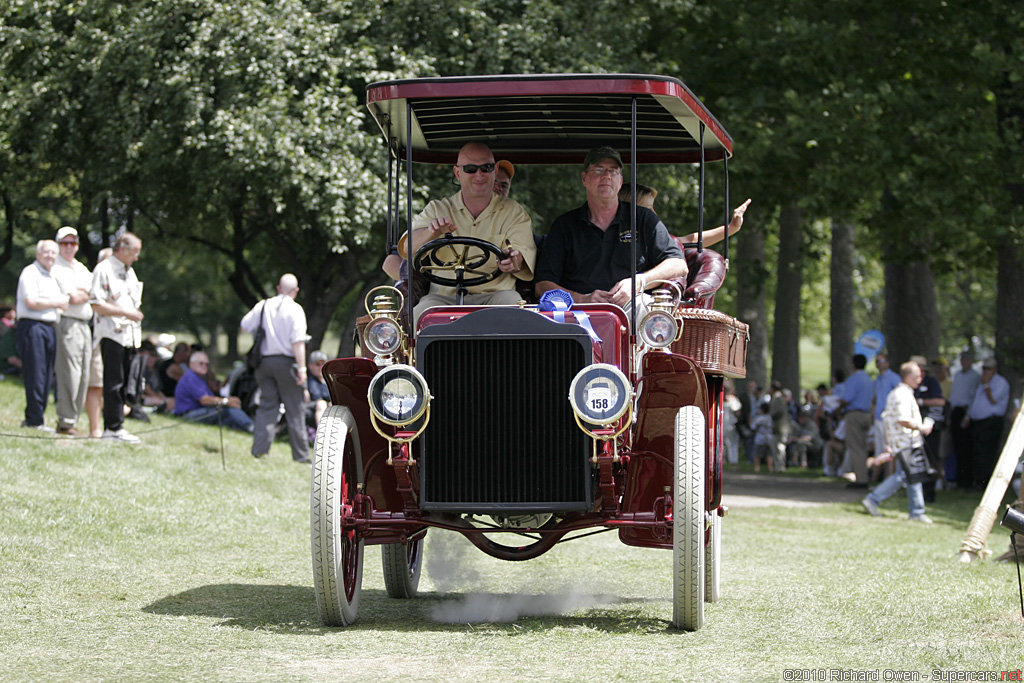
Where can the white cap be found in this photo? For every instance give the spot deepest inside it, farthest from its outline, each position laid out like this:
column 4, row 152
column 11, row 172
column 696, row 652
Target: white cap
column 66, row 231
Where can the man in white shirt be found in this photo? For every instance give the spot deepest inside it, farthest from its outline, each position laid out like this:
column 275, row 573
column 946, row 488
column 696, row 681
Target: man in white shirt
column 904, row 432
column 40, row 304
column 281, row 375
column 116, row 296
column 985, row 421
column 74, row 333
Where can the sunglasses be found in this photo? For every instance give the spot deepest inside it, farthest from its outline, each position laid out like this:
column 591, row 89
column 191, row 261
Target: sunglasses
column 473, row 168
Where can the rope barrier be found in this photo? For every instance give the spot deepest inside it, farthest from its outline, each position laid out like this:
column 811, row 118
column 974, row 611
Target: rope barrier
column 53, row 436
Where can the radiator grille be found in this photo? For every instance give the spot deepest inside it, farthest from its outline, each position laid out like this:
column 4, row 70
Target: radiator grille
column 502, row 437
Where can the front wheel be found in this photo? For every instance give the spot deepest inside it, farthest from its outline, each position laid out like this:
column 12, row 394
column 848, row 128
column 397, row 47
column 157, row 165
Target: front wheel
column 337, row 551
column 688, row 579
column 402, row 564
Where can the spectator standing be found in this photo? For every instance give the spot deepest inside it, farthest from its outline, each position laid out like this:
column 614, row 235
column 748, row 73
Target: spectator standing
column 965, row 385
column 904, row 432
column 858, row 392
column 281, row 375
column 39, row 307
column 933, row 405
column 748, row 399
column 886, row 381
column 830, row 414
column 764, row 440
column 730, row 420
column 985, row 420
column 94, row 396
column 940, row 368
column 74, row 333
column 194, row 401
column 778, row 408
column 116, row 297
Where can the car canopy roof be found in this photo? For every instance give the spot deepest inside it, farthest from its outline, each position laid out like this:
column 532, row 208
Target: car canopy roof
column 546, row 119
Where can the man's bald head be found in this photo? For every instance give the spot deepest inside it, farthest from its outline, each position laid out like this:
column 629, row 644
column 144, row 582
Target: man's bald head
column 288, row 285
column 475, row 152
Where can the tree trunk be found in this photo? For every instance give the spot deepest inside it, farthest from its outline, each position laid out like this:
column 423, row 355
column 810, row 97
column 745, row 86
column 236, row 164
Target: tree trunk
column 751, row 277
column 842, row 295
column 232, row 334
column 786, row 333
column 9, row 215
column 911, row 315
column 1010, row 313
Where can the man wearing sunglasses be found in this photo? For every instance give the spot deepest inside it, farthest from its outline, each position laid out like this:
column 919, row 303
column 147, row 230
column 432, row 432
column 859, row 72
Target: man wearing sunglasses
column 74, row 333
column 476, row 211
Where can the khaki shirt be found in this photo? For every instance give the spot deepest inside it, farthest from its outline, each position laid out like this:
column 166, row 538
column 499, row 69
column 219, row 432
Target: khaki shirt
column 72, row 276
column 116, row 284
column 503, row 219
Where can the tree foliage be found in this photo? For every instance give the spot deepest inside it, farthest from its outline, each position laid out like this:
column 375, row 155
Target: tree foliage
column 232, row 137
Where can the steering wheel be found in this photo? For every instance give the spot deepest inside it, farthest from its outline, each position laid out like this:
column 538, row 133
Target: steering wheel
column 464, row 255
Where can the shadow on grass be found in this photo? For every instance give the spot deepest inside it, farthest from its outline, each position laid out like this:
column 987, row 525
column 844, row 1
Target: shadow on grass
column 292, row 609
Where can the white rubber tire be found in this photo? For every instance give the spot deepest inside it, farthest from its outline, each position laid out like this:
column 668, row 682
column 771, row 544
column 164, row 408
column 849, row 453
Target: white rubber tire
column 688, row 521
column 402, row 564
column 337, row 553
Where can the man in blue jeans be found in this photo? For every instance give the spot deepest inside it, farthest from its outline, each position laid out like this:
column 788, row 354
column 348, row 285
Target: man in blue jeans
column 904, row 431
column 194, row 401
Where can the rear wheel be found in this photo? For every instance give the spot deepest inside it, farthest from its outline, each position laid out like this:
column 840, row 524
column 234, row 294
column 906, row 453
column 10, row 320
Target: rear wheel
column 402, row 564
column 688, row 579
column 713, row 561
column 337, row 551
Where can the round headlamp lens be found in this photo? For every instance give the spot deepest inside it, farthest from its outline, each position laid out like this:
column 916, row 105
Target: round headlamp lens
column 399, row 398
column 600, row 394
column 398, row 395
column 383, row 336
column 658, row 329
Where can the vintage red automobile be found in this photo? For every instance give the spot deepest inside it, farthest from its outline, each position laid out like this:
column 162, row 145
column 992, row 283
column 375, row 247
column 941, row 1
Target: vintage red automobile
column 593, row 428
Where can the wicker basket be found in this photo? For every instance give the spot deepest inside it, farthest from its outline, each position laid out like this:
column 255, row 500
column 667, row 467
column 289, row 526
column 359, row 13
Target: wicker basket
column 717, row 342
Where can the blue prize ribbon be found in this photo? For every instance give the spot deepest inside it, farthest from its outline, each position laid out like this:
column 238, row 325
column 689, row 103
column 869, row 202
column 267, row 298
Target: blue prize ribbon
column 559, row 301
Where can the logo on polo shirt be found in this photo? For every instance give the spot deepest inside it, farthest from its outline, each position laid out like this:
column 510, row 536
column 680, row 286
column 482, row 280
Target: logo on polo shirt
column 626, row 236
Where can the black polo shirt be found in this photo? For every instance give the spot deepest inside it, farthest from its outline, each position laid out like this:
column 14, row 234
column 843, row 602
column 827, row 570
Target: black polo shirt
column 581, row 257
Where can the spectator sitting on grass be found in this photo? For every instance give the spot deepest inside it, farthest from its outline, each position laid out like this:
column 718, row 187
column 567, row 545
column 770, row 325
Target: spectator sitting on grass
column 194, row 401
column 151, row 393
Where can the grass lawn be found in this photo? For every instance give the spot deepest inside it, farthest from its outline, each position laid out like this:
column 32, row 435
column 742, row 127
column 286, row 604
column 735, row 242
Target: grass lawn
column 158, row 563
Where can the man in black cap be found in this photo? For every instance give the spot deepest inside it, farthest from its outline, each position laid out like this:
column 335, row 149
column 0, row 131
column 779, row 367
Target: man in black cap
column 587, row 250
